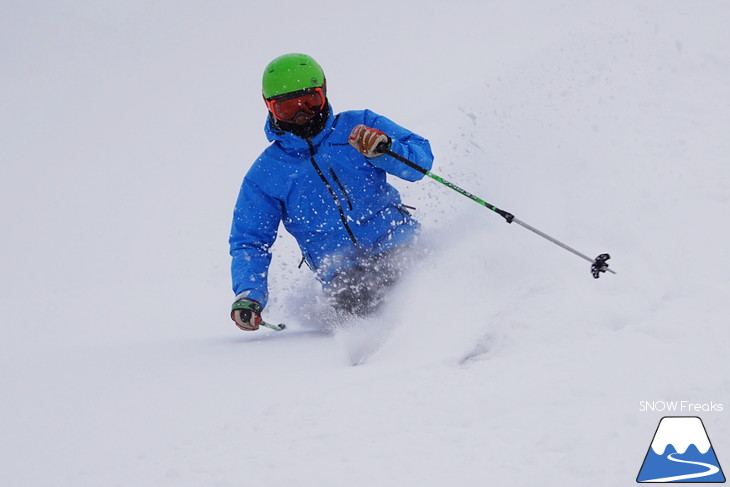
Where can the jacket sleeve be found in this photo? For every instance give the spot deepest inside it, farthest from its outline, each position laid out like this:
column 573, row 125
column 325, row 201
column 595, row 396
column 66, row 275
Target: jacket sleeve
column 256, row 220
column 404, row 143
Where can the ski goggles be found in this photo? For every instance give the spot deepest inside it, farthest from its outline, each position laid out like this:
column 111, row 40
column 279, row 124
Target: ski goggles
column 286, row 107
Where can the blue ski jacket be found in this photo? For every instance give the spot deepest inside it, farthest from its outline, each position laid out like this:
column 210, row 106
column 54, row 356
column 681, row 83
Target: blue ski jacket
column 334, row 201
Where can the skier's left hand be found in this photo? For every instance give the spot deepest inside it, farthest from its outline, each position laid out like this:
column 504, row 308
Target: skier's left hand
column 246, row 314
column 367, row 139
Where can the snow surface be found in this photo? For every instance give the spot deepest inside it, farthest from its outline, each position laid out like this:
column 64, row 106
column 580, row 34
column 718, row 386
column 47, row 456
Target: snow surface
column 126, row 127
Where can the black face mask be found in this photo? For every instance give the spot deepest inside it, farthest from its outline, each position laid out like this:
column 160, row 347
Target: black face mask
column 307, row 130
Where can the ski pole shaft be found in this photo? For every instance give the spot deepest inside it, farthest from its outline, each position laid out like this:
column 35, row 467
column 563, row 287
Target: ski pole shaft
column 557, row 242
column 598, row 264
column 279, row 327
column 506, row 215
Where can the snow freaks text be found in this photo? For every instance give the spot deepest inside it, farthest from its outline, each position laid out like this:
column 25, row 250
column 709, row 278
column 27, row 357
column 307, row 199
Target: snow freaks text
column 680, row 407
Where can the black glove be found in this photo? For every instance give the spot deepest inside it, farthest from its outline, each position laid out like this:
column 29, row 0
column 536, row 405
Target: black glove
column 246, row 314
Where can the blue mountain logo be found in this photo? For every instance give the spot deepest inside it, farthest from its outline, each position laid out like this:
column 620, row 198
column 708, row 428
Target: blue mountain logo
column 681, row 452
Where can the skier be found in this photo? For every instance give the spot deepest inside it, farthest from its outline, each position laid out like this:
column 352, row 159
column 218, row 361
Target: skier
column 324, row 177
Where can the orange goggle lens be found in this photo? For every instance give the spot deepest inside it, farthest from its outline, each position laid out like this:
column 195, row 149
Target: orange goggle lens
column 289, row 105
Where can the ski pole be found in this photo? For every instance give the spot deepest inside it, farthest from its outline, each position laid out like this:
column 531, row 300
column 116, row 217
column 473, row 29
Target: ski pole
column 279, row 327
column 598, row 264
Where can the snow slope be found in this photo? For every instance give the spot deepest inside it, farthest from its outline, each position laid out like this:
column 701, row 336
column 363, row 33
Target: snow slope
column 127, row 126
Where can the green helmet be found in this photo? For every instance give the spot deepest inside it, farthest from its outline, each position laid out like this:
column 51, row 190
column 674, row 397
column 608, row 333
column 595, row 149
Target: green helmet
column 291, row 72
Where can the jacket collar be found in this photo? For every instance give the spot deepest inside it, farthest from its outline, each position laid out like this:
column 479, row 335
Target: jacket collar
column 293, row 143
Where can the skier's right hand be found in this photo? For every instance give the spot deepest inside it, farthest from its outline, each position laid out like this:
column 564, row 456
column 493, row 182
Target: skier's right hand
column 246, row 314
column 367, row 140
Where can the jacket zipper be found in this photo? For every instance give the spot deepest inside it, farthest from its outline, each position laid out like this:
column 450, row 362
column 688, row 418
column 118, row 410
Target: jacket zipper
column 333, row 194
column 342, row 188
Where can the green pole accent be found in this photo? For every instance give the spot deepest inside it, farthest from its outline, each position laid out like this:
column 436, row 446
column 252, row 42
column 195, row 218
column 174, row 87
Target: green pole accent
column 279, row 327
column 506, row 215
column 509, row 217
